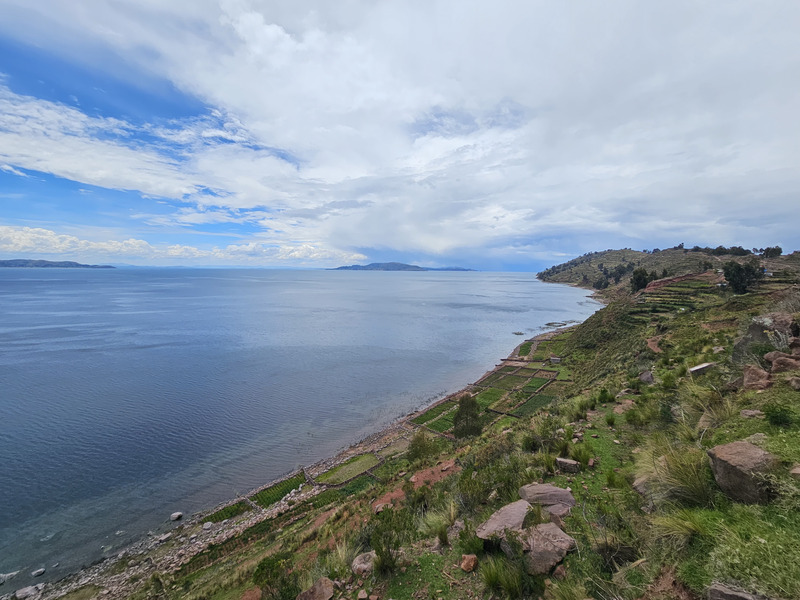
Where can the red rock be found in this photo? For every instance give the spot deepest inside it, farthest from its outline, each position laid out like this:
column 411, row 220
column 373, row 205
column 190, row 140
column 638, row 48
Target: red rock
column 755, row 378
column 468, row 562
column 782, row 364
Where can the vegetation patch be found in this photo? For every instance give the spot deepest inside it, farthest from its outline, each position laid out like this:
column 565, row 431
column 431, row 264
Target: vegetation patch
column 228, row 512
column 534, row 384
column 269, row 496
column 431, row 414
column 533, row 404
column 488, row 397
column 348, row 469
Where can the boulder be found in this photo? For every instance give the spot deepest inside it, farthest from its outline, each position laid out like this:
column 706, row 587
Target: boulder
column 719, row 591
column 207, row 525
column 362, row 595
column 363, row 563
column 788, row 363
column 795, row 472
column 6, row 576
column 38, row 573
column 468, row 562
column 321, row 590
column 751, row 414
column 794, row 383
column 755, row 378
column 27, row 592
column 510, row 517
column 647, row 377
column 546, row 494
column 567, row 465
column 771, row 357
column 546, row 546
column 737, row 468
column 176, row 516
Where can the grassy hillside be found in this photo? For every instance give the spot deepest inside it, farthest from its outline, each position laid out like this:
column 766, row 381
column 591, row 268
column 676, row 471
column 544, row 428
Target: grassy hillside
column 617, row 395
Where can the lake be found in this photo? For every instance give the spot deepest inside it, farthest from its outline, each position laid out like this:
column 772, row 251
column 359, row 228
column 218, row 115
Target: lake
column 128, row 394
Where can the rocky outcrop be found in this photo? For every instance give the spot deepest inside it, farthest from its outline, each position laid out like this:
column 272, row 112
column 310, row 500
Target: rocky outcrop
column 363, row 563
column 321, row 590
column 545, row 546
column 755, row 378
column 508, row 518
column 738, row 468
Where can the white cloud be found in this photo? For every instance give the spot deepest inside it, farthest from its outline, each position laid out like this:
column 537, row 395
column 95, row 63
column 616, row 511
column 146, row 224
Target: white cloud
column 493, row 126
column 12, row 170
column 16, row 241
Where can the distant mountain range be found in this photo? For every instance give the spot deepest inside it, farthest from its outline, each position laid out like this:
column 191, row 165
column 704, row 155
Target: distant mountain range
column 27, row 263
column 395, row 266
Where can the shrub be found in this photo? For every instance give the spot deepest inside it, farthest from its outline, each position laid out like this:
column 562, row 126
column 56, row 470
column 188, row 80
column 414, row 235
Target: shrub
column 390, row 531
column 581, row 453
column 611, row 419
column 677, row 473
column 468, row 542
column 421, row 447
column 435, row 524
column 679, row 528
column 778, row 415
column 275, row 578
column 502, row 577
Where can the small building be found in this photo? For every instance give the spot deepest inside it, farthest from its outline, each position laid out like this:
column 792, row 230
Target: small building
column 554, row 360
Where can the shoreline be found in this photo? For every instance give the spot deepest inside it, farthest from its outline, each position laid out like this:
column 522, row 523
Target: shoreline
column 169, row 550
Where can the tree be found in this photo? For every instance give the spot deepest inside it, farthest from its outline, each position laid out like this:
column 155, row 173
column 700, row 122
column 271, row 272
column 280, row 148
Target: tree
column 466, row 421
column 740, row 276
column 639, row 279
column 772, row 252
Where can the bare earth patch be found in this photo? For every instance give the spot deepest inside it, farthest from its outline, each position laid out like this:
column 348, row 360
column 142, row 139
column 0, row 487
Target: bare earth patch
column 425, row 477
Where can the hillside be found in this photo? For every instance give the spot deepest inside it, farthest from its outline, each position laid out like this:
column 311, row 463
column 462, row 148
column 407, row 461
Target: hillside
column 651, row 452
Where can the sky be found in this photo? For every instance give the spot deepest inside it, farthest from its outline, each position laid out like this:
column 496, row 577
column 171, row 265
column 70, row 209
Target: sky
column 502, row 135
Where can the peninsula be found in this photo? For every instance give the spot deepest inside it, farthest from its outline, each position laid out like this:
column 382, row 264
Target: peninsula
column 395, row 266
column 28, row 263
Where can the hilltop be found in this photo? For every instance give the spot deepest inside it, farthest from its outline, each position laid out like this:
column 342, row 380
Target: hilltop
column 652, row 451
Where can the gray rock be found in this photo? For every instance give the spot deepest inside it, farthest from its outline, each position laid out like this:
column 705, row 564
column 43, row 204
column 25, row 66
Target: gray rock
column 546, row 546
column 546, row 494
column 647, row 377
column 38, row 572
column 510, row 517
column 363, row 563
column 751, row 414
column 567, row 465
column 737, row 468
column 207, row 525
column 27, row 592
column 6, row 576
column 321, row 590
column 719, row 591
column 176, row 516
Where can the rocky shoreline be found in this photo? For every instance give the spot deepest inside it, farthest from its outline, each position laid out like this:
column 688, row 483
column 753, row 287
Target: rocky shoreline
column 120, row 576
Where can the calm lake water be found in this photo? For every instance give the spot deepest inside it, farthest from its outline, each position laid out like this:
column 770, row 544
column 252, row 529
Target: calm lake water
column 128, row 394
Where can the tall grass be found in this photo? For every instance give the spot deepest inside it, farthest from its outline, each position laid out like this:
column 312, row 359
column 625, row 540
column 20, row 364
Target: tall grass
column 678, row 473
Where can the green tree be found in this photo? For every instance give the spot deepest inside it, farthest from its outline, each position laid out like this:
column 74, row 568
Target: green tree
column 772, row 252
column 740, row 276
column 639, row 279
column 274, row 577
column 467, row 421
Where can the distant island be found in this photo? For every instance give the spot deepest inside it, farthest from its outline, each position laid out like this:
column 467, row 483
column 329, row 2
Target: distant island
column 27, row 263
column 395, row 266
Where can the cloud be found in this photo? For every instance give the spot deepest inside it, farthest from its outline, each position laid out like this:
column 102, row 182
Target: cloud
column 500, row 126
column 16, row 241
column 13, row 171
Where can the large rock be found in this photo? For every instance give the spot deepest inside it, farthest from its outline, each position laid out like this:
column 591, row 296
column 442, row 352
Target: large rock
column 469, row 562
column 719, row 591
column 771, row 357
column 737, row 468
column 27, row 592
column 786, row 363
column 546, row 494
column 567, row 465
column 176, row 516
column 647, row 377
column 555, row 500
column 755, row 378
column 363, row 563
column 510, row 517
column 546, row 546
column 321, row 590
column 6, row 576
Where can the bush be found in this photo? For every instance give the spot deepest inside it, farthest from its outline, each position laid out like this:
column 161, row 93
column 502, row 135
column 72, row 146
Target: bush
column 611, row 419
column 468, row 542
column 275, row 578
column 421, row 447
column 389, row 533
column 778, row 415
